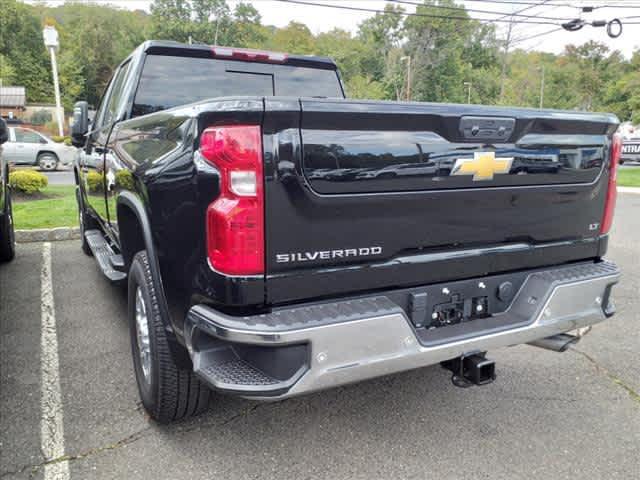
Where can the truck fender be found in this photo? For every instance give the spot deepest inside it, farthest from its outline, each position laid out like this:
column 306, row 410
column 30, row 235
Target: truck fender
column 135, row 205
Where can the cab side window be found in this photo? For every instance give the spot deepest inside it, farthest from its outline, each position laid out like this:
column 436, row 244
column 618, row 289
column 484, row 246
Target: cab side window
column 27, row 136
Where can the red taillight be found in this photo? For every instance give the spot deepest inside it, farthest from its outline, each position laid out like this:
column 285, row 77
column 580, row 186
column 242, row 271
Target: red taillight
column 249, row 55
column 235, row 221
column 612, row 191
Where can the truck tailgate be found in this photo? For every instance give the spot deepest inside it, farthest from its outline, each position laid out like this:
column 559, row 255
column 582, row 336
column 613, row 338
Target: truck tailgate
column 363, row 195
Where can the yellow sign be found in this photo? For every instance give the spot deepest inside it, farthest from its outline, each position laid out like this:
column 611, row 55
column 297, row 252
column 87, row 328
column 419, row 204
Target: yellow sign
column 483, row 166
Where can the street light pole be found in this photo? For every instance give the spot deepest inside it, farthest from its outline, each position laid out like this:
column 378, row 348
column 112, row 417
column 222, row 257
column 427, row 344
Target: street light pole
column 408, row 60
column 468, row 85
column 50, row 36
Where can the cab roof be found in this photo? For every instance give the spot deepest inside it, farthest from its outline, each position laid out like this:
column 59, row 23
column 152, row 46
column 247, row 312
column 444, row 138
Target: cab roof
column 167, row 47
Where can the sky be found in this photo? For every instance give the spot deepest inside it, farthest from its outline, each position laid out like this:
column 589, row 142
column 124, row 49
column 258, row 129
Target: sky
column 321, row 19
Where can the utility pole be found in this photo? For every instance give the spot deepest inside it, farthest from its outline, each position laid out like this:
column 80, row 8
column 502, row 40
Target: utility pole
column 50, row 35
column 468, row 85
column 408, row 60
column 542, row 87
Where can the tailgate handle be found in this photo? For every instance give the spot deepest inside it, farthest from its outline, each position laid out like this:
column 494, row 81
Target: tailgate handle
column 487, row 128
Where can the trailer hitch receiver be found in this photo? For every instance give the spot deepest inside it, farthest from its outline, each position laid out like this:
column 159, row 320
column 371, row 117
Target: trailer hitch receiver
column 471, row 369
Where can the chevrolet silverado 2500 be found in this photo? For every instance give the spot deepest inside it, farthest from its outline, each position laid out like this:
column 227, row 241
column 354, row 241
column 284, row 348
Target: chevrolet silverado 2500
column 278, row 238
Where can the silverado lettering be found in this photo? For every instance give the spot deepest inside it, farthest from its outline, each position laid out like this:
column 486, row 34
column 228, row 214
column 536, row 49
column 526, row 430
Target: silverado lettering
column 221, row 177
column 327, row 254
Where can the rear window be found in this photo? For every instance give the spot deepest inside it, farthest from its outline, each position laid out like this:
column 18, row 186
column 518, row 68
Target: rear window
column 169, row 81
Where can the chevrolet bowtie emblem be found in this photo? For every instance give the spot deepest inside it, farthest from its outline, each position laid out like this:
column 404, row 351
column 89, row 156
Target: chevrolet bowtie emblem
column 483, row 166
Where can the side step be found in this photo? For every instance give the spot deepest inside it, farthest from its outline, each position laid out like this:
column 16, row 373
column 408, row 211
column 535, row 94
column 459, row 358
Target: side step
column 110, row 262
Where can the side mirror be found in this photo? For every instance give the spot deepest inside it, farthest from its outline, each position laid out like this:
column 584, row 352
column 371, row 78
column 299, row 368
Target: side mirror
column 4, row 131
column 80, row 125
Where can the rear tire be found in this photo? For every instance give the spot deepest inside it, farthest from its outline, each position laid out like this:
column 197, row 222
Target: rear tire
column 7, row 234
column 47, row 162
column 167, row 392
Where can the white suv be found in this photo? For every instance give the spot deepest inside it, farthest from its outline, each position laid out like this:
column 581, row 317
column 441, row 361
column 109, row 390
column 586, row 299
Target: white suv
column 28, row 147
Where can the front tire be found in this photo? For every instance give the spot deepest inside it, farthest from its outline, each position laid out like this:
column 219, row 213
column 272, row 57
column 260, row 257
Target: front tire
column 167, row 392
column 47, row 162
column 7, row 234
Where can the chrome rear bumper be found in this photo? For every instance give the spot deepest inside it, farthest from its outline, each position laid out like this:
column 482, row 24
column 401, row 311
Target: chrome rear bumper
column 354, row 340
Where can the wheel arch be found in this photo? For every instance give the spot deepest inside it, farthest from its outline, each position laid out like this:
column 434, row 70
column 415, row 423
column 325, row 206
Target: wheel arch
column 42, row 152
column 135, row 234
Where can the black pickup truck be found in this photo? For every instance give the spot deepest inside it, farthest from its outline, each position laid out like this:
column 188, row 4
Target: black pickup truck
column 279, row 239
column 7, row 241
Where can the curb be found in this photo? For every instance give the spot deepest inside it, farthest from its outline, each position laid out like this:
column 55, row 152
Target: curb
column 47, row 234
column 628, row 190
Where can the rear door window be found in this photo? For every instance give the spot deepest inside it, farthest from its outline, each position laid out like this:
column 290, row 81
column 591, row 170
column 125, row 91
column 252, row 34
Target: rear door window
column 27, row 136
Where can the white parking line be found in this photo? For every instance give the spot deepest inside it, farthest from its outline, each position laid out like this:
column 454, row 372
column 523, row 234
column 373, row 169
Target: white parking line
column 51, row 428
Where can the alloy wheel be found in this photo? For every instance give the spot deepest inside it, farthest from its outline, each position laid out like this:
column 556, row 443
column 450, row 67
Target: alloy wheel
column 142, row 335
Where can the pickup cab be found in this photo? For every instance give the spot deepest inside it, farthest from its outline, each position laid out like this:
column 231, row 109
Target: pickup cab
column 278, row 239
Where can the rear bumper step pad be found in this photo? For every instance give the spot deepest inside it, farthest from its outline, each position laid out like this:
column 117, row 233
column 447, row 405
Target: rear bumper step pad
column 353, row 340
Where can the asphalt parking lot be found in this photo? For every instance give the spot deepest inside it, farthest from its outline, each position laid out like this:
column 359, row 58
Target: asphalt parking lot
column 548, row 415
column 63, row 176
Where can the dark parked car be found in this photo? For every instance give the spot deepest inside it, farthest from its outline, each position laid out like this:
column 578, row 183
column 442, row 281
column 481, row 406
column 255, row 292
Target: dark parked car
column 259, row 262
column 7, row 244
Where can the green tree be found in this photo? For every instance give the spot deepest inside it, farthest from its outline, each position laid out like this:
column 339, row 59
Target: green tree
column 7, row 71
column 596, row 68
column 24, row 50
column 436, row 46
column 294, row 38
column 71, row 77
column 623, row 94
column 171, row 20
column 94, row 39
column 211, row 21
column 359, row 86
column 379, row 35
column 246, row 30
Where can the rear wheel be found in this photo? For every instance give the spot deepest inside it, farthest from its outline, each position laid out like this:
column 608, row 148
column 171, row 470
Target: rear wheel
column 7, row 235
column 168, row 392
column 47, row 162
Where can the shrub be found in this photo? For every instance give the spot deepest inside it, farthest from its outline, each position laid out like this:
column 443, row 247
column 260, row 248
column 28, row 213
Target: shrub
column 27, row 181
column 40, row 117
column 58, row 139
column 124, row 180
column 95, row 181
